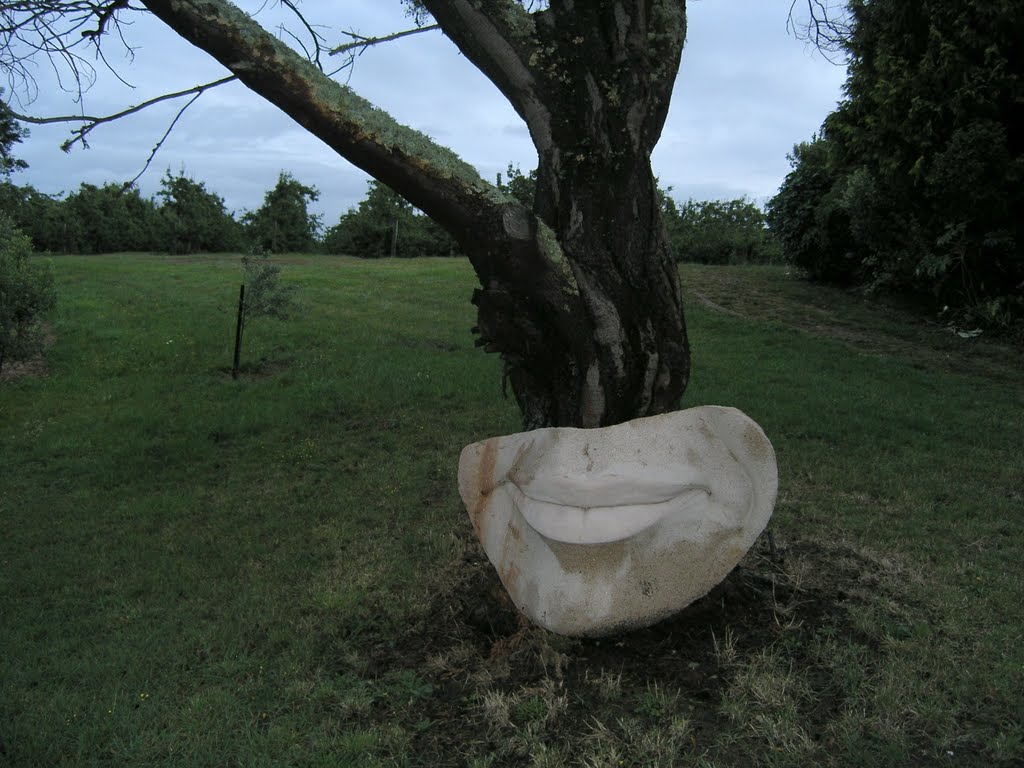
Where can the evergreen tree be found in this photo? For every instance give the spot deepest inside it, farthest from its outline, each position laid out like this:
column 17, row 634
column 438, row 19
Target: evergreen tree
column 26, row 293
column 384, row 224
column 195, row 219
column 283, row 223
column 925, row 159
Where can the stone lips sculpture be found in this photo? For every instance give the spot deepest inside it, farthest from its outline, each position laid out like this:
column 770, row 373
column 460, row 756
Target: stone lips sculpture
column 594, row 531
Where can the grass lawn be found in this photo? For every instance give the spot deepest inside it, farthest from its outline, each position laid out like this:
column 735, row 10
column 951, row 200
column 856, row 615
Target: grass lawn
column 277, row 571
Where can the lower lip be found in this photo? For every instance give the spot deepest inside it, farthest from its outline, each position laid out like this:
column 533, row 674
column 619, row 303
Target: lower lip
column 597, row 525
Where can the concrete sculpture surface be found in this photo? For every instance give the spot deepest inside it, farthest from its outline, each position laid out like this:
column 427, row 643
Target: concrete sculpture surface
column 594, row 531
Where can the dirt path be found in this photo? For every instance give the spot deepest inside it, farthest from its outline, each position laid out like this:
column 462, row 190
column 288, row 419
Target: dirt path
column 867, row 325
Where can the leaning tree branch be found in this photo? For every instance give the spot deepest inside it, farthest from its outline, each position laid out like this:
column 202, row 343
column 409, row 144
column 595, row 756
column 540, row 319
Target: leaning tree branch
column 499, row 37
column 507, row 244
column 430, row 176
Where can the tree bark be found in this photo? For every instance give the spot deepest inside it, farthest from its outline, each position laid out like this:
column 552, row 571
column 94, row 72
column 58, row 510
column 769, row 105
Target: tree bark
column 593, row 83
column 580, row 295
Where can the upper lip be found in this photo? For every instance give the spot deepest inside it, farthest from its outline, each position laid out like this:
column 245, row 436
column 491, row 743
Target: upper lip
column 587, row 490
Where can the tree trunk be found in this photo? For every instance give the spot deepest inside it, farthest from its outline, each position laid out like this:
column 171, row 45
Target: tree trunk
column 617, row 348
column 580, row 295
column 594, row 93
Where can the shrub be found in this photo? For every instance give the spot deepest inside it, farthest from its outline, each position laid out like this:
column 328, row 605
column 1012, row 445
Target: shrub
column 809, row 218
column 195, row 219
column 27, row 292
column 720, row 232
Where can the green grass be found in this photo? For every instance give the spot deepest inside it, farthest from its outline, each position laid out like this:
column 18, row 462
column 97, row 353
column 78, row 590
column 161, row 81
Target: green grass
column 278, row 571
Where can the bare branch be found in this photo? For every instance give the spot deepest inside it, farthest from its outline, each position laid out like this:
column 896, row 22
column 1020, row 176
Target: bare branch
column 105, row 15
column 827, row 27
column 362, row 43
column 60, row 30
column 92, row 121
column 314, row 36
column 160, row 143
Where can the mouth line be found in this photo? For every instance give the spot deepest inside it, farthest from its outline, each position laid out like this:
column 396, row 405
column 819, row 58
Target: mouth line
column 587, row 491
column 597, row 523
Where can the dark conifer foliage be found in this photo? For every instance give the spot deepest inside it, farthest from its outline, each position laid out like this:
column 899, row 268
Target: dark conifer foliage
column 917, row 180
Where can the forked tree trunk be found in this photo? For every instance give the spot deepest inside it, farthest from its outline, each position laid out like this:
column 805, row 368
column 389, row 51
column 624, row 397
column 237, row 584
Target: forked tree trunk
column 615, row 348
column 580, row 295
column 593, row 83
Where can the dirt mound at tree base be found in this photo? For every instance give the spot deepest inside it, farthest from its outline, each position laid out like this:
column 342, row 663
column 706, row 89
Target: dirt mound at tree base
column 504, row 688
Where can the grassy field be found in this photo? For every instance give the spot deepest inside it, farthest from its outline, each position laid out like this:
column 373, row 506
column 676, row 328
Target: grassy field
column 277, row 571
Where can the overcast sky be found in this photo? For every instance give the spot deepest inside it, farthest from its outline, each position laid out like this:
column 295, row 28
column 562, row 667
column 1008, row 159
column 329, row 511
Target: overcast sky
column 747, row 91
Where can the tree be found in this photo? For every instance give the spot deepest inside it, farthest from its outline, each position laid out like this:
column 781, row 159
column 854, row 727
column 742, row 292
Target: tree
column 808, row 217
column 261, row 295
column 372, row 229
column 283, row 223
column 521, row 186
column 195, row 219
column 919, row 174
column 579, row 292
column 10, row 134
column 719, row 232
column 385, row 224
column 38, row 215
column 26, row 293
column 109, row 219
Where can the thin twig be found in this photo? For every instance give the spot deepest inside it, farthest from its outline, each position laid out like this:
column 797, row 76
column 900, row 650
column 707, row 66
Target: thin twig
column 159, row 144
column 366, row 42
column 828, row 27
column 124, row 113
column 315, row 36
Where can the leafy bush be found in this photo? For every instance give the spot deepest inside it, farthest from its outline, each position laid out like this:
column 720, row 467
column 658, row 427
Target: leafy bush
column 194, row 219
column 283, row 224
column 808, row 218
column 719, row 232
column 108, row 219
column 383, row 224
column 27, row 292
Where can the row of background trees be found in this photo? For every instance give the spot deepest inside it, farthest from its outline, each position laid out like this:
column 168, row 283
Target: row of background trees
column 186, row 217
column 914, row 185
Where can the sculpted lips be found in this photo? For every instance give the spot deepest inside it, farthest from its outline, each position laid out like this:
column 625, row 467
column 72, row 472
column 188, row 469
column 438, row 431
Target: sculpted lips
column 599, row 509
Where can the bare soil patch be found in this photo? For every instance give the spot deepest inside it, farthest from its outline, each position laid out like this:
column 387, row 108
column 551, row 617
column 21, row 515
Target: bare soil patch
column 473, row 646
